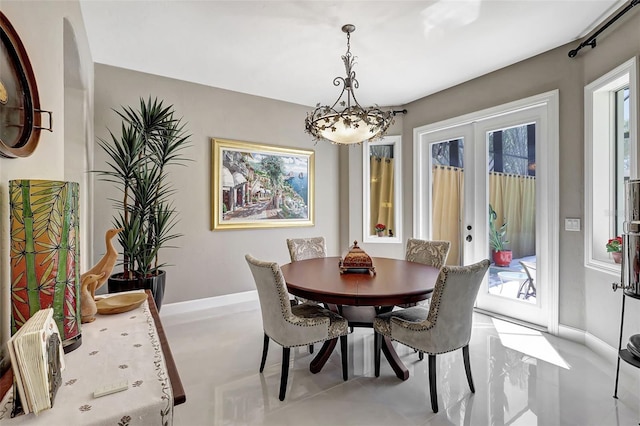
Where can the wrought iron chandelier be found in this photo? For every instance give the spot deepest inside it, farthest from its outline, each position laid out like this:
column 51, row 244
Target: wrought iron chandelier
column 354, row 124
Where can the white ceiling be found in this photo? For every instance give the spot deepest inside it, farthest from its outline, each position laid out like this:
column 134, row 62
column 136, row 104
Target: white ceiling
column 290, row 50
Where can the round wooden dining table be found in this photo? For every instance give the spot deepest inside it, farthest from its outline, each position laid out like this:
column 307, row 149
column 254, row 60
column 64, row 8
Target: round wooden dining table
column 395, row 282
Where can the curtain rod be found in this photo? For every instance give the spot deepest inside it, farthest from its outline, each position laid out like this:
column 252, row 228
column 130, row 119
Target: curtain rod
column 591, row 41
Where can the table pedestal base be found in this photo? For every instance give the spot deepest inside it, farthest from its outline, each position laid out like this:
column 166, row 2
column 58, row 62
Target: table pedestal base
column 387, row 347
column 398, row 367
column 323, row 355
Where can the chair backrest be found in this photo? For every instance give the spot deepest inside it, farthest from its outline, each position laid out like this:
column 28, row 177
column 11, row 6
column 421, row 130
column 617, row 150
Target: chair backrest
column 306, row 248
column 272, row 292
column 530, row 269
column 451, row 308
column 432, row 253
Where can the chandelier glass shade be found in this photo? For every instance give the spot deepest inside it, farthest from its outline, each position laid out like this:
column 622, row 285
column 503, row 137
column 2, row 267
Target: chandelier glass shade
column 346, row 122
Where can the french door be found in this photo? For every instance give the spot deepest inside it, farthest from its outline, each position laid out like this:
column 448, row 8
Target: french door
column 487, row 182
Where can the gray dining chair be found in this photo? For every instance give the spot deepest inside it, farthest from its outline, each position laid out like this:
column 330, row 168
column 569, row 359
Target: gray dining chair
column 444, row 327
column 291, row 326
column 306, row 248
column 431, row 253
column 302, row 249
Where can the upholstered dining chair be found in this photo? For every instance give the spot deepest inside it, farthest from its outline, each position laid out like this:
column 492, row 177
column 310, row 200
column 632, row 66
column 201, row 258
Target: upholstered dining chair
column 302, row 249
column 444, row 327
column 291, row 326
column 431, row 253
column 306, row 248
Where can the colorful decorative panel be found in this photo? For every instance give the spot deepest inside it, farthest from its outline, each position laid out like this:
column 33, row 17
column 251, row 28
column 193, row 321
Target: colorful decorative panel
column 45, row 267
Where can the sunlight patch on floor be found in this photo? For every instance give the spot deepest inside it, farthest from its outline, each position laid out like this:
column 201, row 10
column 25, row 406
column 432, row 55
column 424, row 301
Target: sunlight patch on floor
column 528, row 341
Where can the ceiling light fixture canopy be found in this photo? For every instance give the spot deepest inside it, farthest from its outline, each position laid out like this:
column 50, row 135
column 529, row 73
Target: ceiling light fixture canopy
column 354, row 124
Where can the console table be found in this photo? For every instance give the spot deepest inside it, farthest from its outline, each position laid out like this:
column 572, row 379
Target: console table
column 130, row 346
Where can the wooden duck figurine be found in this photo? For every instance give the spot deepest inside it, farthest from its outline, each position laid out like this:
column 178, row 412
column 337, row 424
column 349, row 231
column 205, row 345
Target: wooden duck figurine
column 104, row 267
column 88, row 308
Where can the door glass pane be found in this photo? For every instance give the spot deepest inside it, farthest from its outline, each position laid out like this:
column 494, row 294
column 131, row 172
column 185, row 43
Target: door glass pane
column 447, row 195
column 512, row 227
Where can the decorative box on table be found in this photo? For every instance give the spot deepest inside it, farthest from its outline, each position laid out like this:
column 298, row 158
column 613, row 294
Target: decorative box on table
column 356, row 260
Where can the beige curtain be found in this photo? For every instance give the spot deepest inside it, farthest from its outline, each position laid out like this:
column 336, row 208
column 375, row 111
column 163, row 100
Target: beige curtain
column 448, row 190
column 381, row 193
column 513, row 198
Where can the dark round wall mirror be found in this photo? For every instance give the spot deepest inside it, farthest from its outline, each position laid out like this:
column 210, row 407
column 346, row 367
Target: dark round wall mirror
column 20, row 113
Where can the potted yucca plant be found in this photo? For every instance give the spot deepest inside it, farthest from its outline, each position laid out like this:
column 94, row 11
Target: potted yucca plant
column 151, row 140
column 498, row 240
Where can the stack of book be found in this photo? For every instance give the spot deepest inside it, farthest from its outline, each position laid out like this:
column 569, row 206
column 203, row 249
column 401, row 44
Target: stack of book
column 37, row 359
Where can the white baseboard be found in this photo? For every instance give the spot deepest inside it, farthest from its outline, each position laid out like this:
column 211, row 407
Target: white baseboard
column 209, row 302
column 570, row 333
column 592, row 342
column 601, row 348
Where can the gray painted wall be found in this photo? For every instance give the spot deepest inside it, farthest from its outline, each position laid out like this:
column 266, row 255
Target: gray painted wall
column 586, row 299
column 602, row 306
column 211, row 263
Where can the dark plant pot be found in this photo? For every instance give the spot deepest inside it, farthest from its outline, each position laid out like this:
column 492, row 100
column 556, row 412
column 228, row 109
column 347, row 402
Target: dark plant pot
column 502, row 257
column 156, row 284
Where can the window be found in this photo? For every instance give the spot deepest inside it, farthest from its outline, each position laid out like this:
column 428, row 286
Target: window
column 610, row 159
column 382, row 202
column 622, row 154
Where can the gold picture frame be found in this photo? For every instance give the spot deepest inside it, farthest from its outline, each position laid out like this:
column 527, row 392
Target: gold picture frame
column 261, row 186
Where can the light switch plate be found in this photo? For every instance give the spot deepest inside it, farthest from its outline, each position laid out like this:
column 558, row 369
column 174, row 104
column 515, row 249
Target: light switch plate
column 571, row 224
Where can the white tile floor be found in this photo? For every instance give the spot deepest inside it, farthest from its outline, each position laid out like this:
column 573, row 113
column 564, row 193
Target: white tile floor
column 522, row 377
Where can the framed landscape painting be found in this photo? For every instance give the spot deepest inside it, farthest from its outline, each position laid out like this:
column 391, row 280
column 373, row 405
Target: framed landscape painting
column 260, row 186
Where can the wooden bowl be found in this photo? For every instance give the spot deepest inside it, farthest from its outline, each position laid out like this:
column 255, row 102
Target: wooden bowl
column 120, row 303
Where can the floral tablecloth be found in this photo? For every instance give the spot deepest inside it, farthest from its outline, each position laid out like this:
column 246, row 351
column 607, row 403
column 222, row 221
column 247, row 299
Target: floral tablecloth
column 114, row 348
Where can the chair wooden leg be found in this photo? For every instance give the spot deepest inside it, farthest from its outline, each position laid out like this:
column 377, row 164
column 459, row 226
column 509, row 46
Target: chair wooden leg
column 467, row 367
column 377, row 342
column 343, row 350
column 285, row 372
column 432, row 383
column 265, row 349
